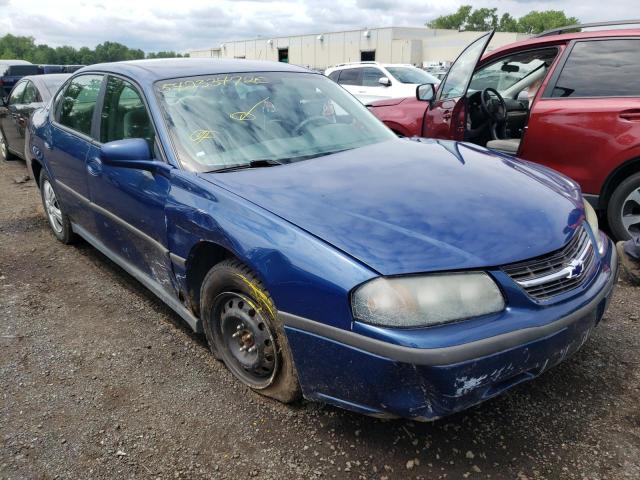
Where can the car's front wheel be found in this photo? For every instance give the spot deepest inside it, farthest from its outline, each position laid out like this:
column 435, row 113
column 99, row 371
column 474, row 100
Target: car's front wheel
column 242, row 329
column 58, row 220
column 623, row 210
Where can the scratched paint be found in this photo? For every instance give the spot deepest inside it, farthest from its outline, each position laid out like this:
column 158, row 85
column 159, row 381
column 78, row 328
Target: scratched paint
column 466, row 384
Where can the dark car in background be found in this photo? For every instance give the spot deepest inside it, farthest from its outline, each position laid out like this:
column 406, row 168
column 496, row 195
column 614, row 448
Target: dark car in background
column 43, row 69
column 29, row 94
column 565, row 99
column 13, row 70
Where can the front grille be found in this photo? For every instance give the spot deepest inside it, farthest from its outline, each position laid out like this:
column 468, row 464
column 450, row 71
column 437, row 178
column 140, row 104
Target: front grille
column 557, row 272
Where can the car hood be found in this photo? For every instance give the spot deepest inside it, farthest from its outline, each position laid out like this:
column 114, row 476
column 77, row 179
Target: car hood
column 406, row 206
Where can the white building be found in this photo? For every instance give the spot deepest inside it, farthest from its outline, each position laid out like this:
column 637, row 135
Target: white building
column 415, row 45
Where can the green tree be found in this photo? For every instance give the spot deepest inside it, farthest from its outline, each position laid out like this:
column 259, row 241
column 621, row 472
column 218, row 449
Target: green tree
column 86, row 56
column 169, row 54
column 455, row 21
column 483, row 19
column 507, row 23
column 24, row 48
column 536, row 22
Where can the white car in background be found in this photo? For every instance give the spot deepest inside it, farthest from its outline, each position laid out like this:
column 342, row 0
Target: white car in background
column 371, row 81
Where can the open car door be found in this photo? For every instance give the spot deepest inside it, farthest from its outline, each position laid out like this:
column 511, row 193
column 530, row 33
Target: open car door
column 445, row 118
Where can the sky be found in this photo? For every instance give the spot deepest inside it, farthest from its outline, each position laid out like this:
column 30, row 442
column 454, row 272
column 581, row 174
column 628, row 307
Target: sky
column 183, row 25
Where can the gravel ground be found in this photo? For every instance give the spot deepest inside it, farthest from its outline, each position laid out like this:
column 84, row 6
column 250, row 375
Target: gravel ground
column 98, row 379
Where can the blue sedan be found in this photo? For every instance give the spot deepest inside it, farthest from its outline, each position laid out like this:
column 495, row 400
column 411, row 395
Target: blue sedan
column 321, row 255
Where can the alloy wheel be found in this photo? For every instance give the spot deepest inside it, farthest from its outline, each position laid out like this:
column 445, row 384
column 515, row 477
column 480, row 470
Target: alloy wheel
column 54, row 214
column 630, row 213
column 245, row 340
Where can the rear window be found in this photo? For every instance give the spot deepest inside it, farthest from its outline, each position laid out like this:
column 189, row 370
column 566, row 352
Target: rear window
column 350, row 76
column 602, row 68
column 22, row 70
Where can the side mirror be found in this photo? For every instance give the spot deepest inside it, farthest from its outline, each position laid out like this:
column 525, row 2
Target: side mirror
column 132, row 153
column 523, row 96
column 384, row 81
column 426, row 92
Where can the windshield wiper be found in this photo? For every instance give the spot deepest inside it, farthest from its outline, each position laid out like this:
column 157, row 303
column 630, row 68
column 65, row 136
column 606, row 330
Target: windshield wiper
column 263, row 162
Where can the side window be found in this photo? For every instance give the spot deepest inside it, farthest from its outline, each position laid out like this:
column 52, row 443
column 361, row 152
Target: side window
column 350, row 76
column 526, row 69
column 124, row 114
column 79, row 102
column 30, row 94
column 602, row 68
column 334, row 75
column 16, row 94
column 370, row 77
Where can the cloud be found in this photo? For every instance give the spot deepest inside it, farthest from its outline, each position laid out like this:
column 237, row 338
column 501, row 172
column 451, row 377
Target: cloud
column 154, row 25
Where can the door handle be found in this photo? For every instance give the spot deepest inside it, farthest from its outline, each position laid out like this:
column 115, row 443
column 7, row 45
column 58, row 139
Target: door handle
column 94, row 166
column 631, row 115
column 446, row 114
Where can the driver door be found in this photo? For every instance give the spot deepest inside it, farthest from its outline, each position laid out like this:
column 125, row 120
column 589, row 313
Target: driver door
column 130, row 203
column 446, row 117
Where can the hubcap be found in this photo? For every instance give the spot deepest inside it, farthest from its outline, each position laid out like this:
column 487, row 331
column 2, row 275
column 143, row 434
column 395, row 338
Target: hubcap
column 246, row 340
column 54, row 214
column 630, row 214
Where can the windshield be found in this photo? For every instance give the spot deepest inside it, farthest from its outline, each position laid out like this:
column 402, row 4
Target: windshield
column 228, row 120
column 411, row 75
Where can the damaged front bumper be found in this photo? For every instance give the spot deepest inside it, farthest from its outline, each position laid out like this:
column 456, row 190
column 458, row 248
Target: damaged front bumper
column 399, row 377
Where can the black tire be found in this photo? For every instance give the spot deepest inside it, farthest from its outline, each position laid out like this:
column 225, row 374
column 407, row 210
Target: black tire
column 616, row 207
column 60, row 225
column 230, row 293
column 5, row 154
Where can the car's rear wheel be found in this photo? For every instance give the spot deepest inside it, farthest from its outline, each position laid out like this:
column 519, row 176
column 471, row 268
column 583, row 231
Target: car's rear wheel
column 58, row 220
column 623, row 210
column 5, row 154
column 242, row 328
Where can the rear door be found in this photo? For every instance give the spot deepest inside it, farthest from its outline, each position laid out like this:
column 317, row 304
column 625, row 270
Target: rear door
column 371, row 89
column 9, row 117
column 71, row 137
column 446, row 117
column 587, row 120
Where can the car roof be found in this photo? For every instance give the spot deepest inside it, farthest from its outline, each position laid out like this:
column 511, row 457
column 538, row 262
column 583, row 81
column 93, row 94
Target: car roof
column 15, row 62
column 165, row 68
column 548, row 40
column 39, row 81
column 368, row 64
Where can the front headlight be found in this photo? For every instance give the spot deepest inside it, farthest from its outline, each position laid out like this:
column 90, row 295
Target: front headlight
column 426, row 300
column 592, row 220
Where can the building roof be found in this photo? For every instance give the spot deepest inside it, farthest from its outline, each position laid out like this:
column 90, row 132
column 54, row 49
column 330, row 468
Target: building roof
column 165, row 68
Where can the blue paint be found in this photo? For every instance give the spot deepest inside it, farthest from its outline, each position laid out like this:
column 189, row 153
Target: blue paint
column 315, row 230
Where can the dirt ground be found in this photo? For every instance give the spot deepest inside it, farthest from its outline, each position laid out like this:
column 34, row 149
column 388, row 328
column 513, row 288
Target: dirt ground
column 98, row 379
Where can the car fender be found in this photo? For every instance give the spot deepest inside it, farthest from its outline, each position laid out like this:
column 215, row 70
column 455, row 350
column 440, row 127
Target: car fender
column 304, row 275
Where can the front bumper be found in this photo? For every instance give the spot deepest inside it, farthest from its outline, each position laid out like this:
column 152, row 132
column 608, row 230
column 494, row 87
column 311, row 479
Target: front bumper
column 379, row 378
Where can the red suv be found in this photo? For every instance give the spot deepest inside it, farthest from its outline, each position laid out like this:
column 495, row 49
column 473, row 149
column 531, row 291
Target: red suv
column 570, row 101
